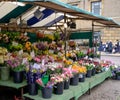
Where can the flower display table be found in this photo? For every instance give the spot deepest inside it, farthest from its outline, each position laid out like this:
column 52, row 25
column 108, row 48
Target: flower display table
column 11, row 84
column 76, row 91
column 67, row 94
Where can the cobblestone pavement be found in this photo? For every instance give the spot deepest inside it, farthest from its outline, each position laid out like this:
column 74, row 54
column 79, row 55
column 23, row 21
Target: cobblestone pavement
column 108, row 90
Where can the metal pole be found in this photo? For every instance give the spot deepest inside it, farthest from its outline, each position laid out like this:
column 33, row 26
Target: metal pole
column 92, row 34
column 93, row 45
column 65, row 31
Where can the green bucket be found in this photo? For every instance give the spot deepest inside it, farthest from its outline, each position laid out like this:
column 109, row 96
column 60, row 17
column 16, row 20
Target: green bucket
column 45, row 80
column 5, row 73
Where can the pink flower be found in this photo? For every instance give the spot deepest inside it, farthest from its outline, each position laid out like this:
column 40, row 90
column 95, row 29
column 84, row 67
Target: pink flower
column 37, row 59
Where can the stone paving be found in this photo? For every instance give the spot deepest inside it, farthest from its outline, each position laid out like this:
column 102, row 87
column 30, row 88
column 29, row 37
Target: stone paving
column 114, row 58
column 108, row 90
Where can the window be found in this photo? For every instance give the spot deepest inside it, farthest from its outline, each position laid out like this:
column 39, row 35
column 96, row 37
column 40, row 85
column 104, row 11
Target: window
column 96, row 7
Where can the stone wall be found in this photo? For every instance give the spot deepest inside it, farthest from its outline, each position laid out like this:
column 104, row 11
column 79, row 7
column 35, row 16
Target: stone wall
column 110, row 35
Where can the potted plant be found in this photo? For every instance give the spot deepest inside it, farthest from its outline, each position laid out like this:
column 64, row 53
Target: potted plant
column 17, row 66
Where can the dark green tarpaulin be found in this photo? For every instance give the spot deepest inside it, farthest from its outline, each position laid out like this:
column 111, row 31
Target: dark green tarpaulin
column 82, row 35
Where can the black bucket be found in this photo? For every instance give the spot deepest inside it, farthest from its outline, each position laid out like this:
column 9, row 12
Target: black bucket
column 66, row 84
column 58, row 88
column 32, row 89
column 18, row 76
column 74, row 80
column 47, row 92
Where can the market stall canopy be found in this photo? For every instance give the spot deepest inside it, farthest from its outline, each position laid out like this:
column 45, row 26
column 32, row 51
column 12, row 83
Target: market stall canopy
column 73, row 10
column 51, row 10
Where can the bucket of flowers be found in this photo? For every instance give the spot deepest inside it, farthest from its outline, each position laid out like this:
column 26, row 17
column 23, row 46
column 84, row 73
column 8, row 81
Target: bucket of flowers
column 82, row 72
column 59, row 83
column 17, row 66
column 117, row 73
column 34, row 71
column 89, row 67
column 75, row 71
column 67, row 74
column 47, row 88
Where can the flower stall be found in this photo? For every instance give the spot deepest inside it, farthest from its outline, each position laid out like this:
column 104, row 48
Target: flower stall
column 47, row 67
column 46, row 70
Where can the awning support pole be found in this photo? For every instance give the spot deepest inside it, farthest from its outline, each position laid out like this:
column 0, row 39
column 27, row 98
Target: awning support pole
column 93, row 40
column 92, row 33
column 65, row 31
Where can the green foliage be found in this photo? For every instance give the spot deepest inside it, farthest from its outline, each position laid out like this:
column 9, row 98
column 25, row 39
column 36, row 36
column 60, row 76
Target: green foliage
column 56, row 36
column 15, row 47
column 18, row 68
column 80, row 54
column 89, row 66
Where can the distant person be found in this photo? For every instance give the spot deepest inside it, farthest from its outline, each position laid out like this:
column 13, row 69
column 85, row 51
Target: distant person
column 117, row 46
column 106, row 46
column 118, row 43
column 100, row 46
column 110, row 47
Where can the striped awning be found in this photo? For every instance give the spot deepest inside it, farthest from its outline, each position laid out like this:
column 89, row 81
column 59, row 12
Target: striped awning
column 26, row 14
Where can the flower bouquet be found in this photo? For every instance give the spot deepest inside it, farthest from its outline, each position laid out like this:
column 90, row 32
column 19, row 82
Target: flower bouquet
column 33, row 72
column 72, row 44
column 80, row 55
column 17, row 65
column 90, row 53
column 54, row 68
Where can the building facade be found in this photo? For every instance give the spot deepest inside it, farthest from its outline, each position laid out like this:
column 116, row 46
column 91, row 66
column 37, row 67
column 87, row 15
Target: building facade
column 107, row 8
